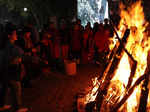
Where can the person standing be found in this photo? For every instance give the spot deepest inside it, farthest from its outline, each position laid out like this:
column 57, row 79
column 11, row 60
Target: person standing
column 64, row 34
column 13, row 69
column 76, row 37
column 3, row 72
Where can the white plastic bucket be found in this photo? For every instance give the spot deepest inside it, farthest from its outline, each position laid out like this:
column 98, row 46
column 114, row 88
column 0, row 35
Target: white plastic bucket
column 70, row 67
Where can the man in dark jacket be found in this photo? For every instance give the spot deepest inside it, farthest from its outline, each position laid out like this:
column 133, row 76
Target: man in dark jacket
column 12, row 72
column 3, row 73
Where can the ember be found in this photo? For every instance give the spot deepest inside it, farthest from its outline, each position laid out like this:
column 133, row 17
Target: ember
column 124, row 85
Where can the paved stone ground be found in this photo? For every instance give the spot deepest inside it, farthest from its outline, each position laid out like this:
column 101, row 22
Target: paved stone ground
column 55, row 91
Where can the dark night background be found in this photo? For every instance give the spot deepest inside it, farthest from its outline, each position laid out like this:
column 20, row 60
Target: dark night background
column 40, row 11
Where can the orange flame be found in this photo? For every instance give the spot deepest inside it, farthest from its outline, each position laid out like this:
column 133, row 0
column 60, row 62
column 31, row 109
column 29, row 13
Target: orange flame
column 138, row 46
column 93, row 93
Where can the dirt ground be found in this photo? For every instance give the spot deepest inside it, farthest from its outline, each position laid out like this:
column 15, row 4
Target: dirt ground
column 56, row 91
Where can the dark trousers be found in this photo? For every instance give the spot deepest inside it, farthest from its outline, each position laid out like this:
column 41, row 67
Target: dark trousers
column 15, row 92
column 76, row 54
column 3, row 92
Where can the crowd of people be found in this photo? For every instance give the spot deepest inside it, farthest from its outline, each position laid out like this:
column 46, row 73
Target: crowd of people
column 24, row 52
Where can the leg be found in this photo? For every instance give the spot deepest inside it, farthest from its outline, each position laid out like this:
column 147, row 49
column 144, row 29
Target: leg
column 15, row 87
column 3, row 92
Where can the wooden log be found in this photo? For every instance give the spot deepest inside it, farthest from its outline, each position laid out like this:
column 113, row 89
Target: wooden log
column 114, row 51
column 144, row 95
column 127, row 95
column 133, row 70
column 145, row 90
column 109, row 62
column 111, row 72
column 120, row 41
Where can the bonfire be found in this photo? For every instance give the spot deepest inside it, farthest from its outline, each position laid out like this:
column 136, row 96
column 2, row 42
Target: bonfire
column 124, row 85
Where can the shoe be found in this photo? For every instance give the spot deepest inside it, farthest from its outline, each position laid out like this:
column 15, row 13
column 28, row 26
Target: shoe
column 5, row 107
column 22, row 110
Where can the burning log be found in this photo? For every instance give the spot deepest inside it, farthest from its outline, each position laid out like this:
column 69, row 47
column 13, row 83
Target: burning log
column 116, row 86
column 120, row 41
column 120, row 71
column 110, row 74
column 130, row 91
column 114, row 51
column 133, row 70
column 144, row 95
column 109, row 62
column 145, row 90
